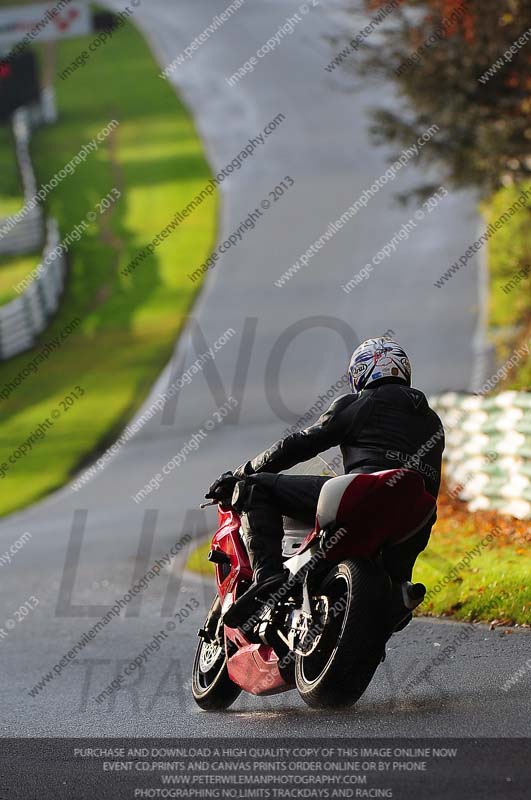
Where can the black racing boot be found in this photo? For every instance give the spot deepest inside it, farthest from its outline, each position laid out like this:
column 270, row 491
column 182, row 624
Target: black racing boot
column 268, row 575
column 240, row 614
column 262, row 532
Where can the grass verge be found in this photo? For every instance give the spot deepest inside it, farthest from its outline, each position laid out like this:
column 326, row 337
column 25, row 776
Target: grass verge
column 510, row 282
column 492, row 587
column 128, row 324
column 198, row 562
column 12, row 271
column 11, row 199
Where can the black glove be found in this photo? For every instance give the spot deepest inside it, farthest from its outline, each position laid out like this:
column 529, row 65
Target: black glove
column 222, row 488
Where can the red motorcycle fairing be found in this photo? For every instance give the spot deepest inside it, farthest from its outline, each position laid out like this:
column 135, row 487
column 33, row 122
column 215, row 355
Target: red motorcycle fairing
column 372, row 509
column 227, row 539
column 254, row 667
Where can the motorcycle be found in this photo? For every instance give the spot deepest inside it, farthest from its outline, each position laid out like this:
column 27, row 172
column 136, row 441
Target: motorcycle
column 324, row 630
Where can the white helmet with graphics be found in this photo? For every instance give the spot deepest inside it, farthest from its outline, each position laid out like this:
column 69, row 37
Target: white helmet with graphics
column 375, row 359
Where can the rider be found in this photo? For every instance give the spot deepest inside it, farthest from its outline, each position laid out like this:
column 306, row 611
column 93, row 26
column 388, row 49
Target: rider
column 384, row 424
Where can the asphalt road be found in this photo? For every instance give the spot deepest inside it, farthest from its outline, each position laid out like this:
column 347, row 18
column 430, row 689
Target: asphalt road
column 83, row 547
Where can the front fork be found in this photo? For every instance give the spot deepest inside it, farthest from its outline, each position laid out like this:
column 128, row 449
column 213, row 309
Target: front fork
column 210, row 631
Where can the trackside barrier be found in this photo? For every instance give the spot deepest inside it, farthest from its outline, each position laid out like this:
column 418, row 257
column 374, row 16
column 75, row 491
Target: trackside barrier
column 23, row 319
column 23, row 232
column 488, row 450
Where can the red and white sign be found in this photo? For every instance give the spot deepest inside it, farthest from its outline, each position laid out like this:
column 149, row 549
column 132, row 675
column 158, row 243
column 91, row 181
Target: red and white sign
column 22, row 26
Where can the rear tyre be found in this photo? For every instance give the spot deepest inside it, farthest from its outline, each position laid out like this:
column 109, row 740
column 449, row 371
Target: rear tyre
column 212, row 688
column 337, row 672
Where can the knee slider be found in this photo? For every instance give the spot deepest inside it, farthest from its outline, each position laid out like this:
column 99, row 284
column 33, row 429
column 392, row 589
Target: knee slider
column 241, row 496
column 246, row 495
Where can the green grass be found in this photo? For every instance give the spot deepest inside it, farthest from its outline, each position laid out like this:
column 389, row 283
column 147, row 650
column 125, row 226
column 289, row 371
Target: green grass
column 11, row 199
column 198, row 562
column 509, row 251
column 12, row 271
column 510, row 260
column 494, row 586
column 129, row 325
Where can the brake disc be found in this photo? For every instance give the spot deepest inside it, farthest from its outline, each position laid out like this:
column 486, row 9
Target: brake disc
column 210, row 653
column 311, row 628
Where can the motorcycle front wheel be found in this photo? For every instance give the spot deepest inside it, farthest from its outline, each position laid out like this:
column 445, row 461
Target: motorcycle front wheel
column 212, row 688
column 337, row 671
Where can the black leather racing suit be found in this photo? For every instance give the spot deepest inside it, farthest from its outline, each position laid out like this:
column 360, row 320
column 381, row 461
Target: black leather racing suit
column 386, row 426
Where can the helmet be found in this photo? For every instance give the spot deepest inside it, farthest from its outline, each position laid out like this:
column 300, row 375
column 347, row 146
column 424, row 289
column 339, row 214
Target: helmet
column 375, row 359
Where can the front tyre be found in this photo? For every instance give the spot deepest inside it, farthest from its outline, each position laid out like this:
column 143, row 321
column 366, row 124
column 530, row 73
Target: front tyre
column 338, row 670
column 212, row 688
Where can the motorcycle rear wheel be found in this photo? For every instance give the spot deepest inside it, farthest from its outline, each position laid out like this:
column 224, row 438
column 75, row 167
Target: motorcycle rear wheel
column 212, row 688
column 338, row 671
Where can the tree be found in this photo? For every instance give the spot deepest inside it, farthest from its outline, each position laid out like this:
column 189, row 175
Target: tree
column 452, row 62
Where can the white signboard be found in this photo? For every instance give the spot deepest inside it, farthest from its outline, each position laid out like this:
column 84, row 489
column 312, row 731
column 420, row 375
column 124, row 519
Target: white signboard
column 21, row 26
